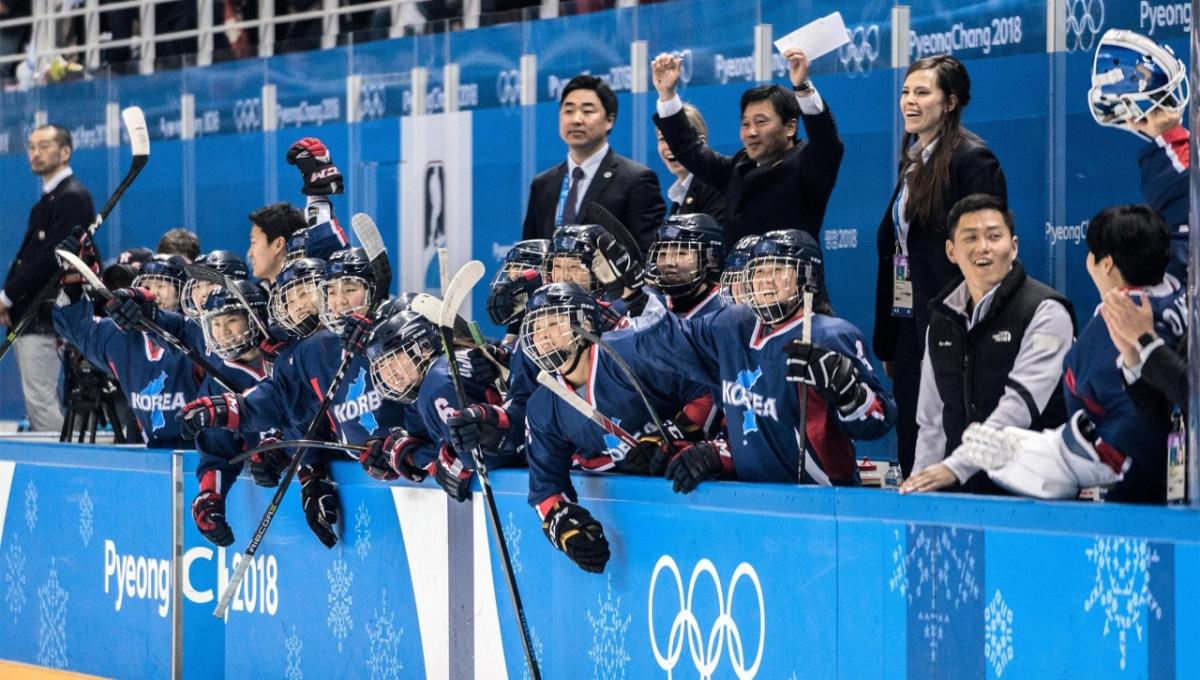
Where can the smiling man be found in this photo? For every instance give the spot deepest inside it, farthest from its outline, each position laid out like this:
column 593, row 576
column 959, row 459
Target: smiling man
column 774, row 181
column 593, row 172
column 994, row 349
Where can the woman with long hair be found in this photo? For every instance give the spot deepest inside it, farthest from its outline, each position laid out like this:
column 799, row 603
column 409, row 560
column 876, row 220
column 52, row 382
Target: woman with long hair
column 940, row 162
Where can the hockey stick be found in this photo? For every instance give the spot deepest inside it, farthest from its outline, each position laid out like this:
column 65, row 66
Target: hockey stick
column 139, row 139
column 430, row 307
column 209, row 275
column 587, row 410
column 294, row 443
column 148, row 324
column 802, row 432
column 443, row 256
column 368, row 234
column 457, row 291
column 637, row 385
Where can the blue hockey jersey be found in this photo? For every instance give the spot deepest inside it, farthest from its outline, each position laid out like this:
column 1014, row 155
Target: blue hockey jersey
column 732, row 351
column 1164, row 168
column 1092, row 381
column 437, row 400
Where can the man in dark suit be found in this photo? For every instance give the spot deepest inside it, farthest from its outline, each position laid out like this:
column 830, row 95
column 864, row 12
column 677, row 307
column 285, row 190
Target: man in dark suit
column 688, row 195
column 774, row 181
column 65, row 204
column 593, row 173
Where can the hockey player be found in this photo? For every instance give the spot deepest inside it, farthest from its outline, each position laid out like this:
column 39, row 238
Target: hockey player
column 558, row 435
column 157, row 379
column 296, row 297
column 685, row 264
column 195, row 291
column 733, row 278
column 1141, row 87
column 347, row 287
column 521, row 273
column 1107, row 441
column 754, row 354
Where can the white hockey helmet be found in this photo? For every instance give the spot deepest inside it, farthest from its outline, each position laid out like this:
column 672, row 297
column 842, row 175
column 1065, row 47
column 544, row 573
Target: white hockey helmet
column 1131, row 76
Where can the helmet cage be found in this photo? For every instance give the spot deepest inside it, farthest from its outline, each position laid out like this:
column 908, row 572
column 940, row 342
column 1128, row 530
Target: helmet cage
column 547, row 348
column 761, row 291
column 1132, row 76
column 230, row 348
column 332, row 320
column 397, row 372
column 294, row 295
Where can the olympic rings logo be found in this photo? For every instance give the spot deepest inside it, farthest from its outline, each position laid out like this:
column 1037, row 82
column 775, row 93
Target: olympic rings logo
column 508, row 87
column 1082, row 23
column 246, row 114
column 706, row 652
column 859, row 55
column 370, row 101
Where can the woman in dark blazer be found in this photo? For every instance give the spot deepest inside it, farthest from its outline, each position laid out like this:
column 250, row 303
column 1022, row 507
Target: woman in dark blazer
column 940, row 162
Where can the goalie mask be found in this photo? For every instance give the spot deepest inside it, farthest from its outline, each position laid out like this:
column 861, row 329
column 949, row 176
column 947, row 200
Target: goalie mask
column 733, row 279
column 547, row 336
column 296, row 297
column 347, row 287
column 164, row 276
column 400, row 352
column 782, row 264
column 688, row 251
column 1131, row 76
column 228, row 329
column 195, row 291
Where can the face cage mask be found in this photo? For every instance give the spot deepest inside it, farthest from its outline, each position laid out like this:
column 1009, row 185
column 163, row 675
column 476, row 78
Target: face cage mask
column 778, row 310
column 386, row 375
column 730, row 279
column 335, row 322
column 676, row 282
column 231, row 349
column 141, row 280
column 192, row 288
column 593, row 284
column 551, row 355
column 291, row 294
column 511, row 270
column 1120, row 109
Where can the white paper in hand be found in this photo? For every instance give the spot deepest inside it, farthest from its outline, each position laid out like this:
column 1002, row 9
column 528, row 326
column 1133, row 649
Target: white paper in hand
column 817, row 38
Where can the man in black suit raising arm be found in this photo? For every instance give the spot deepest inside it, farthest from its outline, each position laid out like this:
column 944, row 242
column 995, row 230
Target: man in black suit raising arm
column 65, row 203
column 593, row 173
column 774, row 181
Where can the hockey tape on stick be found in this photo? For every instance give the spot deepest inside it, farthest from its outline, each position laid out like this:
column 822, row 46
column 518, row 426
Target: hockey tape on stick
column 585, row 409
column 443, row 268
column 802, row 429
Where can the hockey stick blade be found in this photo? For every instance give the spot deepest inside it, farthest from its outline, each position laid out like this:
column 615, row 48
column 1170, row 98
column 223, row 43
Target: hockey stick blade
column 427, row 306
column 585, row 409
column 209, row 275
column 296, row 443
column 458, row 290
column 368, row 235
column 73, row 261
column 139, row 136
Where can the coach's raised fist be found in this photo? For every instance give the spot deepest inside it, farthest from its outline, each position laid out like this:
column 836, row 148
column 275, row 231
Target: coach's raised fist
column 666, row 69
column 321, row 177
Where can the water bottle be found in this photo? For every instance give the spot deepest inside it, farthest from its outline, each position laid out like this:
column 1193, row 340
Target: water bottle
column 893, row 478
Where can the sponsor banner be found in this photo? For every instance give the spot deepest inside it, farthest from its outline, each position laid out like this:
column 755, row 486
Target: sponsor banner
column 310, row 88
column 977, row 29
column 570, row 46
column 228, row 97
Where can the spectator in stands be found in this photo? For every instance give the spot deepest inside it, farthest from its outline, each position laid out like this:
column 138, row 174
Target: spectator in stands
column 940, row 163
column 993, row 351
column 593, row 172
column 297, row 36
column 689, row 195
column 774, row 182
column 13, row 38
column 180, row 242
column 118, row 24
column 172, row 17
column 65, row 204
column 270, row 228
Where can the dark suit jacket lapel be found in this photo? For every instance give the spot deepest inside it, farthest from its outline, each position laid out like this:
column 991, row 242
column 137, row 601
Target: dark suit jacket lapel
column 600, row 182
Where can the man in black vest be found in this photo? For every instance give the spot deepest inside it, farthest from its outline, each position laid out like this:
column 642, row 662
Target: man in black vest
column 65, row 204
column 994, row 349
column 593, row 173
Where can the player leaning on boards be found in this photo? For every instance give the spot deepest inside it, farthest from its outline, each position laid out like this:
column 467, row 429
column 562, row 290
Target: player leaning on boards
column 686, row 262
column 994, row 348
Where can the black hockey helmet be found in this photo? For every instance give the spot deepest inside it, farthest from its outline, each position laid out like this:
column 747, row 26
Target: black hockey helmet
column 583, row 242
column 347, row 274
column 162, row 270
column 790, row 249
column 195, row 291
column 547, row 334
column 296, row 296
column 400, row 352
column 733, row 278
column 222, row 302
column 695, row 234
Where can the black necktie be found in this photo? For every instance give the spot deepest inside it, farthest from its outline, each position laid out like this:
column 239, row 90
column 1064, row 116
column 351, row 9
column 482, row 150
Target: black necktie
column 572, row 195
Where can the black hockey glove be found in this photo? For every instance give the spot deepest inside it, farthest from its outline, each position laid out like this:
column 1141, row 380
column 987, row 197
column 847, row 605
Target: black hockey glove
column 208, row 511
column 319, row 498
column 573, row 530
column 391, row 457
column 507, row 299
column 695, row 464
column 129, row 307
column 473, row 365
column 830, row 373
column 267, row 466
column 452, row 475
column 615, row 267
column 321, row 176
column 356, row 333
column 220, row 410
column 481, row 426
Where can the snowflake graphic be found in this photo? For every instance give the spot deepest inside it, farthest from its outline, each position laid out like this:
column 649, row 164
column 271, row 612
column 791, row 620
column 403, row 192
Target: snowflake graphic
column 608, row 638
column 383, row 658
column 362, row 531
column 899, row 579
column 945, row 577
column 294, row 646
column 998, row 633
column 31, row 505
column 1122, row 586
column 512, row 536
column 14, row 578
column 85, row 518
column 52, row 613
column 339, row 622
column 536, row 643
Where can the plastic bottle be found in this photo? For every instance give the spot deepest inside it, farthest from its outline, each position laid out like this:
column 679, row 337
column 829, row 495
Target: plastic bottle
column 893, row 478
